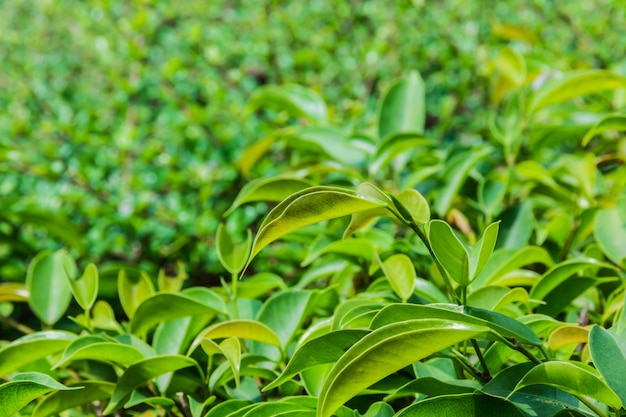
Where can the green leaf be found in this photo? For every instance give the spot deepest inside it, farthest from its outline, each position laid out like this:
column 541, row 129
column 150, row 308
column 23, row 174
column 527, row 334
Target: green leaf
column 101, row 349
column 230, row 348
column 450, row 252
column 50, row 294
column 324, row 349
column 433, row 387
column 228, row 407
column 243, row 329
column 505, row 261
column 395, row 145
column 499, row 323
column 517, row 226
column 462, row 405
column 575, row 84
column 133, row 292
column 611, row 122
column 85, row 288
column 610, row 231
column 352, row 248
column 32, row 347
column 13, row 292
column 511, row 64
column 59, row 401
column 608, row 359
column 142, row 372
column 168, row 306
column 454, row 175
column 416, row 205
column 575, row 378
column 297, row 100
column 308, row 207
column 272, row 189
column 284, row 313
column 559, row 298
column 24, row 388
column 379, row 409
column 403, row 108
column 481, row 251
column 559, row 273
column 335, row 143
column 400, row 272
column 369, row 360
column 232, row 256
column 103, row 316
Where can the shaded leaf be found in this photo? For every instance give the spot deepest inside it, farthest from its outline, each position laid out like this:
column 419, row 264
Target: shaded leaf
column 517, row 226
column 62, row 400
column 370, row 359
column 403, row 107
column 462, row 405
column 133, row 292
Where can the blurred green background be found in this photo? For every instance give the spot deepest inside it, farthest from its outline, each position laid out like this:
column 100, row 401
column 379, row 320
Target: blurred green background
column 121, row 121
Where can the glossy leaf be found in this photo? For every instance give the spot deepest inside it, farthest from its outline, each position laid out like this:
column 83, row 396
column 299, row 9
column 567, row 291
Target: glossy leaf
column 403, row 107
column 297, row 100
column 504, row 261
column 232, row 256
column 308, row 207
column 499, row 323
column 608, row 359
column 24, row 388
column 568, row 335
column 133, row 292
column 103, row 316
column 400, row 272
column 324, row 349
column 611, row 122
column 99, row 348
column 243, row 329
column 63, row 400
column 450, row 252
column 168, row 306
column 143, row 371
column 13, row 292
column 50, row 294
column 610, row 231
column 85, row 288
column 573, row 378
column 369, row 360
column 273, row 189
column 462, row 405
column 574, row 85
column 230, row 348
column 29, row 348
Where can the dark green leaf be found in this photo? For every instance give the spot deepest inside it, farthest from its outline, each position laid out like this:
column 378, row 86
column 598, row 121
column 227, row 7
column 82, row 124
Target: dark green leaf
column 462, row 405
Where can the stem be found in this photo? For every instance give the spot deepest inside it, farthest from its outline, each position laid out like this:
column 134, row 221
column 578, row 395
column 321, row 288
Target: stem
column 462, row 360
column 515, row 345
column 233, row 295
column 440, row 268
column 17, row 325
column 184, row 408
column 481, row 359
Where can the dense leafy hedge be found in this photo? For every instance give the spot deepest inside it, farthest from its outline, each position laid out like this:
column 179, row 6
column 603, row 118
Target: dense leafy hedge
column 448, row 239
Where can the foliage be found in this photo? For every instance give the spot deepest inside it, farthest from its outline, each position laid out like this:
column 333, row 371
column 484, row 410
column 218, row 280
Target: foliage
column 406, row 267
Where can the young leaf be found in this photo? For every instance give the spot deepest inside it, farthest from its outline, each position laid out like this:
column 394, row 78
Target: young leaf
column 369, row 360
column 29, row 348
column 143, row 371
column 308, row 207
column 85, row 288
column 167, row 306
column 608, row 359
column 574, row 85
column 100, row 349
column 571, row 377
column 65, row 399
column 610, row 231
column 230, row 348
column 400, row 272
column 133, row 292
column 273, row 189
column 462, row 405
column 450, row 252
column 243, row 329
column 416, row 205
column 481, row 251
column 611, row 122
column 232, row 256
column 24, row 388
column 403, row 108
column 13, row 292
column 50, row 293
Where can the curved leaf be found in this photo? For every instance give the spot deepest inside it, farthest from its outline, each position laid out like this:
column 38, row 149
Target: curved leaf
column 32, row 347
column 568, row 335
column 574, row 378
column 50, row 294
column 101, row 349
column 169, row 306
column 503, row 261
column 24, row 388
column 385, row 351
column 327, row 348
column 62, row 400
column 574, row 85
column 13, row 292
column 297, row 100
column 462, row 405
column 394, row 145
column 403, row 107
column 143, row 371
column 610, row 122
column 273, row 189
column 232, row 256
column 243, row 329
column 416, row 205
column 450, row 252
column 85, row 288
column 608, row 359
column 308, row 207
column 400, row 272
column 610, row 232
column 133, row 292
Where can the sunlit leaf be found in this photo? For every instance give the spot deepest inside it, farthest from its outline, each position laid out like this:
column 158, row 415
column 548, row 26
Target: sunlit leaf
column 400, row 272
column 243, row 329
column 462, row 405
column 99, row 348
column 24, row 388
column 615, row 122
column 232, row 256
column 403, row 107
column 133, row 292
column 65, row 399
column 450, row 252
column 13, row 292
column 567, row 335
column 85, row 288
column 32, row 347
